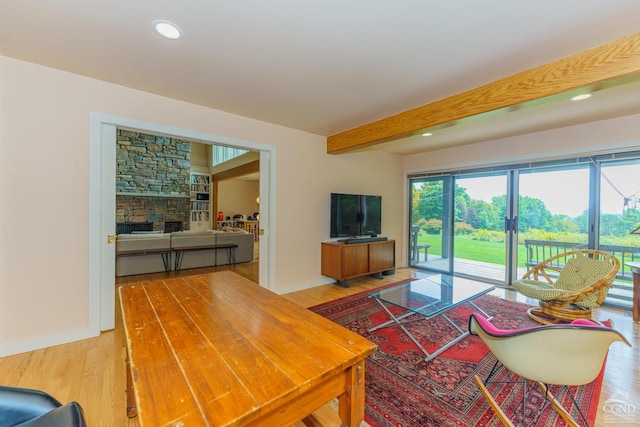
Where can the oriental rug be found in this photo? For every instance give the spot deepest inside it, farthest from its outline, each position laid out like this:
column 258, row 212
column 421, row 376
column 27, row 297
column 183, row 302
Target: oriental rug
column 404, row 390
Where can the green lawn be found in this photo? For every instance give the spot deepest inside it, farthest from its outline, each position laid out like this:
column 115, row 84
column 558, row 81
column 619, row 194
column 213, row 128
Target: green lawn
column 477, row 250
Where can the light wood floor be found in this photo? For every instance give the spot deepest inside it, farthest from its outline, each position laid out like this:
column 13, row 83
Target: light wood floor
column 92, row 371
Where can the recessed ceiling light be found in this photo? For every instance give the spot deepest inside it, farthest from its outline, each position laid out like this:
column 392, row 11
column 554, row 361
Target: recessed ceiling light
column 427, row 134
column 167, row 29
column 581, row 97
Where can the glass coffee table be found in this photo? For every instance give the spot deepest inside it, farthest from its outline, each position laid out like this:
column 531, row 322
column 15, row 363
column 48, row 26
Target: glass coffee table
column 430, row 297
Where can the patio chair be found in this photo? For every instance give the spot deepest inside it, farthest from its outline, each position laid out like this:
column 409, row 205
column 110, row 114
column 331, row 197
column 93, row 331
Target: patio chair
column 569, row 285
column 547, row 355
column 417, row 248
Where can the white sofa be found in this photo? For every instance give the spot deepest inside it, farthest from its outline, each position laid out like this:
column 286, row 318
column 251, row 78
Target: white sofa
column 172, row 242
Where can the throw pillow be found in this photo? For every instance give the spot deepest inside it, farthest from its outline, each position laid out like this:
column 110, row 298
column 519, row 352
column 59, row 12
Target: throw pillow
column 581, row 272
column 570, row 278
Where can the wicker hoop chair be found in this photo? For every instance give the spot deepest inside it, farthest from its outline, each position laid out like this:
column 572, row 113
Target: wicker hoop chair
column 569, row 285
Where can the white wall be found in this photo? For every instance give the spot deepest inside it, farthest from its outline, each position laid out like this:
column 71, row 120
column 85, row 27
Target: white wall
column 44, row 193
column 603, row 136
column 200, row 157
column 237, row 196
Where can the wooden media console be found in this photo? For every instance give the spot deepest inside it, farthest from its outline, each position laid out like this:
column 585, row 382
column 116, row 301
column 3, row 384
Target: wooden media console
column 343, row 261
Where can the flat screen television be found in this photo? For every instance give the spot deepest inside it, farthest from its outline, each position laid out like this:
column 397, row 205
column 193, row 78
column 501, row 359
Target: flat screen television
column 355, row 215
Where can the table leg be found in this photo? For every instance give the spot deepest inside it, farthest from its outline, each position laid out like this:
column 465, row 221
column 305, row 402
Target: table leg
column 166, row 260
column 132, row 409
column 636, row 297
column 396, row 320
column 351, row 408
column 429, row 356
column 178, row 260
column 311, row 421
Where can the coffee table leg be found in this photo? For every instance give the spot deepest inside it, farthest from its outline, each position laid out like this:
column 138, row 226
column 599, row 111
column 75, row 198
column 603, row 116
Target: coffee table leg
column 463, row 334
column 393, row 318
column 396, row 320
column 430, row 356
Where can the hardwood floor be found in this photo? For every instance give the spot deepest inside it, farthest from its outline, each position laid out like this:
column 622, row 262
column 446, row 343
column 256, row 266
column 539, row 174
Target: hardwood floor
column 92, row 371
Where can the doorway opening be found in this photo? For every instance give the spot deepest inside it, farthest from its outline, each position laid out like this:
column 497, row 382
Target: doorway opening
column 102, row 194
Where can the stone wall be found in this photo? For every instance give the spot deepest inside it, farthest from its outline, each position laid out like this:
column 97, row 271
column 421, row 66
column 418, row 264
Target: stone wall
column 152, row 179
column 152, row 209
column 152, row 165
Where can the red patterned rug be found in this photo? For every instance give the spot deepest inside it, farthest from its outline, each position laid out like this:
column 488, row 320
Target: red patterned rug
column 402, row 389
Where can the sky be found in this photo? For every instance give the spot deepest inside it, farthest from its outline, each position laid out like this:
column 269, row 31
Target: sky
column 563, row 192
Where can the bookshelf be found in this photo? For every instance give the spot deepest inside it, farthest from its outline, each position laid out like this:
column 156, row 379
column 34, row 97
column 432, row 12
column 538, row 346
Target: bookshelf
column 199, row 187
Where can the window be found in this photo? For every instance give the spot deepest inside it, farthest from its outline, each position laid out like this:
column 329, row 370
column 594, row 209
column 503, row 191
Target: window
column 223, row 154
column 490, row 223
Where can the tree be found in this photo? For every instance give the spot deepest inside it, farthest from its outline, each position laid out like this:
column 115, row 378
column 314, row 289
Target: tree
column 564, row 223
column 427, row 201
column 533, row 214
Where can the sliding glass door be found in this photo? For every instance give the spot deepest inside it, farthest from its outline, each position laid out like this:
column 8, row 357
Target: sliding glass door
column 553, row 212
column 496, row 225
column 479, row 237
column 619, row 216
column 430, row 223
column 457, row 224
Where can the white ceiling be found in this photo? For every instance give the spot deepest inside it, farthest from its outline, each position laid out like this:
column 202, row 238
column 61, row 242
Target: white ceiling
column 325, row 66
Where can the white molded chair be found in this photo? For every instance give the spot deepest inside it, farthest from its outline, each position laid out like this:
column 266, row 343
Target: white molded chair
column 564, row 354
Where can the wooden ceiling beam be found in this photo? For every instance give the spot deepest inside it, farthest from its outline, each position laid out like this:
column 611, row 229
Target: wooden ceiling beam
column 246, row 169
column 614, row 60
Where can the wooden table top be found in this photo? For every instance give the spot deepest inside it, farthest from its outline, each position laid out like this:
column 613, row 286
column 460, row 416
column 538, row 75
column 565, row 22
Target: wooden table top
column 635, row 266
column 220, row 349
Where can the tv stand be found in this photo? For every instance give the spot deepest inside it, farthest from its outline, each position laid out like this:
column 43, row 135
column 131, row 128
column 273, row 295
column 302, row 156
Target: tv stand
column 347, row 260
column 362, row 239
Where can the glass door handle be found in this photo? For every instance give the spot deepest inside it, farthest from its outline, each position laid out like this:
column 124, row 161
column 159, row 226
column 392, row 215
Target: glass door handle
column 511, row 224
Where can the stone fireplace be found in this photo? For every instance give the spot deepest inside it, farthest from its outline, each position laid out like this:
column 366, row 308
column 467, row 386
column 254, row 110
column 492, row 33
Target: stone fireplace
column 158, row 211
column 152, row 182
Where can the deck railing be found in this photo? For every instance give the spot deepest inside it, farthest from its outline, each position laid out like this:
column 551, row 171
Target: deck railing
column 540, row 250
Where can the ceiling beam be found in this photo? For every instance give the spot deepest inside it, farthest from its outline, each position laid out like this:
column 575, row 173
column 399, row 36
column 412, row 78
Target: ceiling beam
column 614, row 60
column 246, row 169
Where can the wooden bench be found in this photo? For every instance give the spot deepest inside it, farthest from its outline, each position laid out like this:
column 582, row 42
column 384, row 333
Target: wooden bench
column 165, row 253
column 229, row 247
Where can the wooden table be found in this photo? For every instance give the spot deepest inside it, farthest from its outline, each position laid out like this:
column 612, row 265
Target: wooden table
column 635, row 269
column 217, row 349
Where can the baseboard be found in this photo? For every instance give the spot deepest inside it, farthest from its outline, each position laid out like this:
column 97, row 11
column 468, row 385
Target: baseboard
column 46, row 341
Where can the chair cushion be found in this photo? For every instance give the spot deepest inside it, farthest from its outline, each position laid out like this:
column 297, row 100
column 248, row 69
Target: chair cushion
column 539, row 290
column 580, row 272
